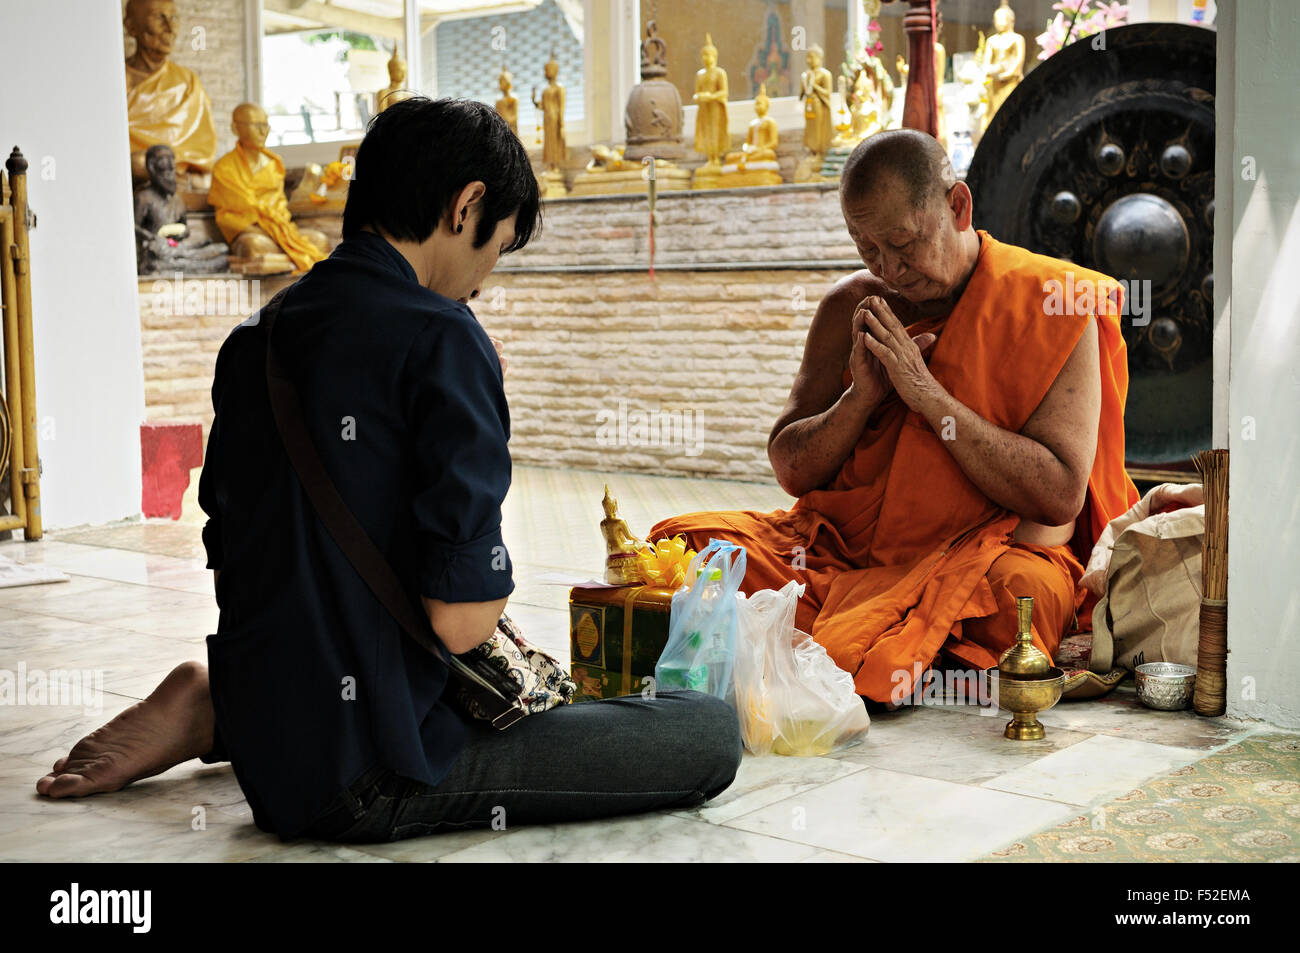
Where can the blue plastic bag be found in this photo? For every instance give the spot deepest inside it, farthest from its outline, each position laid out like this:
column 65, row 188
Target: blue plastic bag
column 701, row 650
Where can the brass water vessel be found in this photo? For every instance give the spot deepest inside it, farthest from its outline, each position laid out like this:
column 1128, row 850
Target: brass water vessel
column 1025, row 682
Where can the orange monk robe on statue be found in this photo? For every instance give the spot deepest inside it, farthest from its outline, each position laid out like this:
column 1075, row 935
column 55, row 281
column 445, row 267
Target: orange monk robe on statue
column 170, row 106
column 902, row 555
column 243, row 198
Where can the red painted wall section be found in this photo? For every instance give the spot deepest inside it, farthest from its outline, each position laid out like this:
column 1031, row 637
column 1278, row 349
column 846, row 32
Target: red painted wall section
column 168, row 453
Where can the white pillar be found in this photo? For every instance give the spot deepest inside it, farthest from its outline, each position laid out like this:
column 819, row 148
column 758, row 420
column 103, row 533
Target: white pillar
column 624, row 61
column 411, row 34
column 253, row 51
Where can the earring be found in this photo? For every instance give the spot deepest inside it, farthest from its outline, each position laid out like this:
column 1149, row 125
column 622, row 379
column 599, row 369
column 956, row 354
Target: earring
column 459, row 229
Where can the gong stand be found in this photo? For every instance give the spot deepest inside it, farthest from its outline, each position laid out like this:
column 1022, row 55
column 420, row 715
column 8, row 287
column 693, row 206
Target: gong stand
column 20, row 461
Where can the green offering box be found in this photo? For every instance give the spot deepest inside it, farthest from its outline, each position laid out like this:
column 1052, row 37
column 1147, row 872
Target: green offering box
column 616, row 637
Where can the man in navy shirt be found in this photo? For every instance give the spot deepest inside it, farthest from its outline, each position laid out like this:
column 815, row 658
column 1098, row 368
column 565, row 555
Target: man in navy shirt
column 335, row 720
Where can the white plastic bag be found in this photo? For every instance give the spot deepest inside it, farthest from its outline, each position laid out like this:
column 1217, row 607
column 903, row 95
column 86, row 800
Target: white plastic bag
column 790, row 697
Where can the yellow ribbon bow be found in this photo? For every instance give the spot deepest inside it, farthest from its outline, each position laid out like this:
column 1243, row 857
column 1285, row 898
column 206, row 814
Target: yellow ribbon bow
column 664, row 563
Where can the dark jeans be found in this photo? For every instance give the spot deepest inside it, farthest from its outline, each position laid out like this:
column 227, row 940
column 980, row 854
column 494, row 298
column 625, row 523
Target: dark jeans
column 595, row 759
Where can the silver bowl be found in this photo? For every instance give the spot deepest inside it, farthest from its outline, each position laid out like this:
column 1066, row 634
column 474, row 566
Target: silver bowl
column 1165, row 686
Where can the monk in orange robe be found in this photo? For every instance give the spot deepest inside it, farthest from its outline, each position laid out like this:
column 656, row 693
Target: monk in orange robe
column 165, row 102
column 247, row 192
column 955, row 436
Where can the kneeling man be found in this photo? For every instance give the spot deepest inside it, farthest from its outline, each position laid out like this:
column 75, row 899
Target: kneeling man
column 954, row 440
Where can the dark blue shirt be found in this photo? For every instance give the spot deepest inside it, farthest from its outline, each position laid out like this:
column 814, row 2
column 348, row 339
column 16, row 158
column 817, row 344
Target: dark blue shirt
column 312, row 680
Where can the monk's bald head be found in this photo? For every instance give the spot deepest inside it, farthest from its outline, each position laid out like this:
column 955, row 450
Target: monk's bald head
column 909, row 216
column 898, row 158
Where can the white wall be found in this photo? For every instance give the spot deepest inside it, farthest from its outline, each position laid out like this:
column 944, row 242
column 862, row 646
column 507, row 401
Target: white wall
column 1257, row 55
column 63, row 103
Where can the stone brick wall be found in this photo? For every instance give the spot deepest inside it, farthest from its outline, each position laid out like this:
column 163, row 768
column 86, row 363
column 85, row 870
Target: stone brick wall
column 778, row 225
column 683, row 375
column 182, row 326
column 218, row 60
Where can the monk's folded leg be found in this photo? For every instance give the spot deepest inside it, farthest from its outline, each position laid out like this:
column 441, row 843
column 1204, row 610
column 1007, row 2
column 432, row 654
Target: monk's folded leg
column 1050, row 575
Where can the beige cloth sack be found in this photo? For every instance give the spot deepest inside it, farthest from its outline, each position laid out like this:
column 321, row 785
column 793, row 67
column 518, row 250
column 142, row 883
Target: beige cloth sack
column 1146, row 572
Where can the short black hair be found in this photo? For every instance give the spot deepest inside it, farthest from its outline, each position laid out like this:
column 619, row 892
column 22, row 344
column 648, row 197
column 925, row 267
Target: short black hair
column 916, row 159
column 419, row 153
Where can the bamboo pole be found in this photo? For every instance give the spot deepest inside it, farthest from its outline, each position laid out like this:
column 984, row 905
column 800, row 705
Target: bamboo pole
column 13, row 389
column 21, row 253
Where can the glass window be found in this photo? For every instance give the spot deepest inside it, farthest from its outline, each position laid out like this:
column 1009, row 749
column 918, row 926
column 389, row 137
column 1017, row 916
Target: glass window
column 463, row 51
column 323, row 65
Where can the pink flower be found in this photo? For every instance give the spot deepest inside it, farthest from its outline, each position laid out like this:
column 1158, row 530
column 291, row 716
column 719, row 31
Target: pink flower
column 1116, row 13
column 1071, row 6
column 873, row 26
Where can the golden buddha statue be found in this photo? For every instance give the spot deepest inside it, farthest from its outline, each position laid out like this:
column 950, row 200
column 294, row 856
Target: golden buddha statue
column 252, row 209
column 396, row 89
column 620, row 546
column 755, row 163
column 1003, row 61
column 711, row 135
column 508, row 105
column 816, row 86
column 165, row 102
column 554, row 151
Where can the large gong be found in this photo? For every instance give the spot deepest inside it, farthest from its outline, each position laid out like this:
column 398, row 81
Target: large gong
column 1105, row 157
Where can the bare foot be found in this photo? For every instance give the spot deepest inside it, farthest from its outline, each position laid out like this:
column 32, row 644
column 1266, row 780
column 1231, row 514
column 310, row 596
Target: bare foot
column 172, row 725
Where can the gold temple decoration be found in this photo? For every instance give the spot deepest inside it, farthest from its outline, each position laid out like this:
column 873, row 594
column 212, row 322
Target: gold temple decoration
column 755, row 162
column 816, row 86
column 711, row 134
column 1003, row 60
column 621, row 547
column 554, row 151
column 1025, row 682
column 507, row 106
column 396, row 90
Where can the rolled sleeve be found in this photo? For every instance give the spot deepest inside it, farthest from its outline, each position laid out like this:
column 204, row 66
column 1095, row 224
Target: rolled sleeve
column 460, row 425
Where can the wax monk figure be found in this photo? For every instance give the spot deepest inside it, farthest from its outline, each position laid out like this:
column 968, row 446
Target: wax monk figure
column 248, row 195
column 953, row 440
column 165, row 103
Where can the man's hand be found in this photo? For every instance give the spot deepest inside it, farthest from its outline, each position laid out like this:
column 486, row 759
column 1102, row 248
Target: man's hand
column 501, row 355
column 879, row 338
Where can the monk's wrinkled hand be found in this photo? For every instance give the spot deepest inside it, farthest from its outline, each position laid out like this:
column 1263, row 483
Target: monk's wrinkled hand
column 870, row 382
column 501, row 353
column 900, row 355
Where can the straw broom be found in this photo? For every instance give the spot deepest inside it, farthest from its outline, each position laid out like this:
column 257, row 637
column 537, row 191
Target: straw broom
column 1210, row 695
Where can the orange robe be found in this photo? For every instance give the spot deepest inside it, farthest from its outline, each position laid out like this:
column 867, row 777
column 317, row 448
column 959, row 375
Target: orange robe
column 902, row 555
column 243, row 199
column 171, row 107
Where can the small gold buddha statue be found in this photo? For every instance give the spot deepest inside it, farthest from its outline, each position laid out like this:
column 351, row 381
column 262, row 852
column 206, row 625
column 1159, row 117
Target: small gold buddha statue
column 396, row 90
column 252, row 210
column 816, row 86
column 508, row 105
column 762, row 136
column 711, row 135
column 1003, row 60
column 620, row 546
column 554, row 150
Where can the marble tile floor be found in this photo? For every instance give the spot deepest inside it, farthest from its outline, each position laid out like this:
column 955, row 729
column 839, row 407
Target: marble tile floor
column 932, row 783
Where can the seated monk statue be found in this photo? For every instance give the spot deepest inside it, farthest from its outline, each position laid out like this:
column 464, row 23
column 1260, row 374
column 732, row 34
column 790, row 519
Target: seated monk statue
column 761, row 137
column 164, row 242
column 953, row 441
column 165, row 103
column 252, row 209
